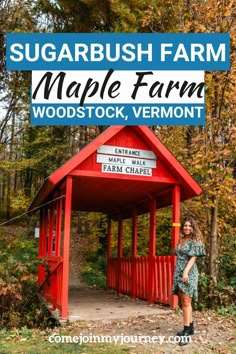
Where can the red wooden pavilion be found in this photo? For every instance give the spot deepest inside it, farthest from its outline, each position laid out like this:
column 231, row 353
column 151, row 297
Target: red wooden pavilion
column 124, row 172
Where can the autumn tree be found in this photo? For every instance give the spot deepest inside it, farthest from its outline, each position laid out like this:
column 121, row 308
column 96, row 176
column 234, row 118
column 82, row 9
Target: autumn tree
column 209, row 152
column 75, row 16
column 14, row 99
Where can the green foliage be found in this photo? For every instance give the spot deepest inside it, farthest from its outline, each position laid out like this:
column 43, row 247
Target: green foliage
column 164, row 232
column 227, row 310
column 203, row 290
column 33, row 341
column 93, row 272
column 224, row 295
column 224, row 291
column 227, row 258
column 20, row 304
column 143, row 235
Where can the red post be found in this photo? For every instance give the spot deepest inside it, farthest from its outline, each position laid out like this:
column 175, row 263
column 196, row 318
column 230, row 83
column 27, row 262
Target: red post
column 164, row 274
column 45, row 232
column 40, row 233
column 43, row 236
column 66, row 249
column 58, row 227
column 134, row 254
column 108, row 253
column 175, row 215
column 159, row 279
column 175, row 231
column 152, row 251
column 169, row 278
column 119, row 254
column 40, row 249
column 50, row 233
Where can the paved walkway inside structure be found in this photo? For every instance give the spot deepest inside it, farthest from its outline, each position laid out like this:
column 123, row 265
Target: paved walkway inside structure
column 91, row 304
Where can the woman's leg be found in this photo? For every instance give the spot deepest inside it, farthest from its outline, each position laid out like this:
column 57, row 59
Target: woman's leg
column 187, row 315
column 191, row 313
column 186, row 308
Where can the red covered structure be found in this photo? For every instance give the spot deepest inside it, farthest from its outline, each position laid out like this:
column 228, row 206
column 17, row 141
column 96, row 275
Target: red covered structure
column 124, row 172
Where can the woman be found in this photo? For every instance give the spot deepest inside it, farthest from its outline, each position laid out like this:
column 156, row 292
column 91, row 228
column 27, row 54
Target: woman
column 185, row 283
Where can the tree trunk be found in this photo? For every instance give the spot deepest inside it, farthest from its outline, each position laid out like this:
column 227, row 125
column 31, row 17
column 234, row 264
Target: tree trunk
column 213, row 255
column 8, row 196
column 10, row 176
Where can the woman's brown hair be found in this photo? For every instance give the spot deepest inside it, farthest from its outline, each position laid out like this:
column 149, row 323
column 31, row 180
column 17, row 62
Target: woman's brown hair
column 196, row 235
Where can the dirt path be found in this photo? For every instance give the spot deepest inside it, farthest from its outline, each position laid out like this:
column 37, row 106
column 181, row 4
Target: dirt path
column 213, row 334
column 103, row 313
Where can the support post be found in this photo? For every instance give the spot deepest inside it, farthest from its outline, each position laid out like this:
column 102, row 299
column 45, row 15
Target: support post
column 175, row 233
column 119, row 254
column 175, row 215
column 58, row 227
column 108, row 252
column 152, row 251
column 40, row 249
column 51, row 227
column 43, row 243
column 66, row 248
column 134, row 254
column 45, row 232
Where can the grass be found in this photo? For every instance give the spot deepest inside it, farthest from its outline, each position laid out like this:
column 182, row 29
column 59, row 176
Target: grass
column 35, row 342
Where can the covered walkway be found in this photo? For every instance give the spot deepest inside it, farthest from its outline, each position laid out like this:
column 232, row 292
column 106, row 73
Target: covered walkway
column 123, row 173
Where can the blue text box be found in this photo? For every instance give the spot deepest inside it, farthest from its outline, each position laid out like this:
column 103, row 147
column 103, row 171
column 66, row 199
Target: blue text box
column 127, row 51
column 128, row 114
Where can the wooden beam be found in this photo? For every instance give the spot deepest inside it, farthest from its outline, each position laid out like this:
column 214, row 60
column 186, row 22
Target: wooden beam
column 40, row 247
column 66, row 248
column 97, row 174
column 152, row 251
column 119, row 254
column 51, row 227
column 134, row 254
column 108, row 251
column 58, row 227
column 45, row 231
column 175, row 215
column 175, row 233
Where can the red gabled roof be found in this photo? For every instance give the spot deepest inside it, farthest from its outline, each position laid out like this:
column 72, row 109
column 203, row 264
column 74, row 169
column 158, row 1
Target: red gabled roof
column 175, row 171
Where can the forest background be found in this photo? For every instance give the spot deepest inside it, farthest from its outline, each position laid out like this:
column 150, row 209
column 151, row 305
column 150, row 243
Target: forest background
column 29, row 154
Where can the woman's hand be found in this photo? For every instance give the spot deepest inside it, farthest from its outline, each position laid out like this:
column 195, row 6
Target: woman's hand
column 187, row 268
column 185, row 277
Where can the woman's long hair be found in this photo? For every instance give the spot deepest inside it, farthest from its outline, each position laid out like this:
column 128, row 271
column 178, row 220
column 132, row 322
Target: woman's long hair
column 196, row 234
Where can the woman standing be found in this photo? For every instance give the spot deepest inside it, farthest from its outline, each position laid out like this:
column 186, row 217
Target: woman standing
column 185, row 283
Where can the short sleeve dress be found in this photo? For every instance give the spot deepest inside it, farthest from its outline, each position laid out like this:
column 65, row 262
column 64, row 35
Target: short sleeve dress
column 189, row 249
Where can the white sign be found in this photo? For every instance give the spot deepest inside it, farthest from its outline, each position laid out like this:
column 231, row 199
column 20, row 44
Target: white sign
column 128, row 161
column 127, row 170
column 36, row 232
column 114, row 160
column 124, row 151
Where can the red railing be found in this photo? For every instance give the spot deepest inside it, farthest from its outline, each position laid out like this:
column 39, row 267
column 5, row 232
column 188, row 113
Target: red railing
column 50, row 280
column 125, row 272
column 130, row 276
column 141, row 268
column 164, row 268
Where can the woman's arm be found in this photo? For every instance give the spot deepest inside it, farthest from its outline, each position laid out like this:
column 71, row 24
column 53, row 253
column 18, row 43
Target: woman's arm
column 187, row 268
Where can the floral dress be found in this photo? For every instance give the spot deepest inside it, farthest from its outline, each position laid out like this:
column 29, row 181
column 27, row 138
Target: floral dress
column 189, row 249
